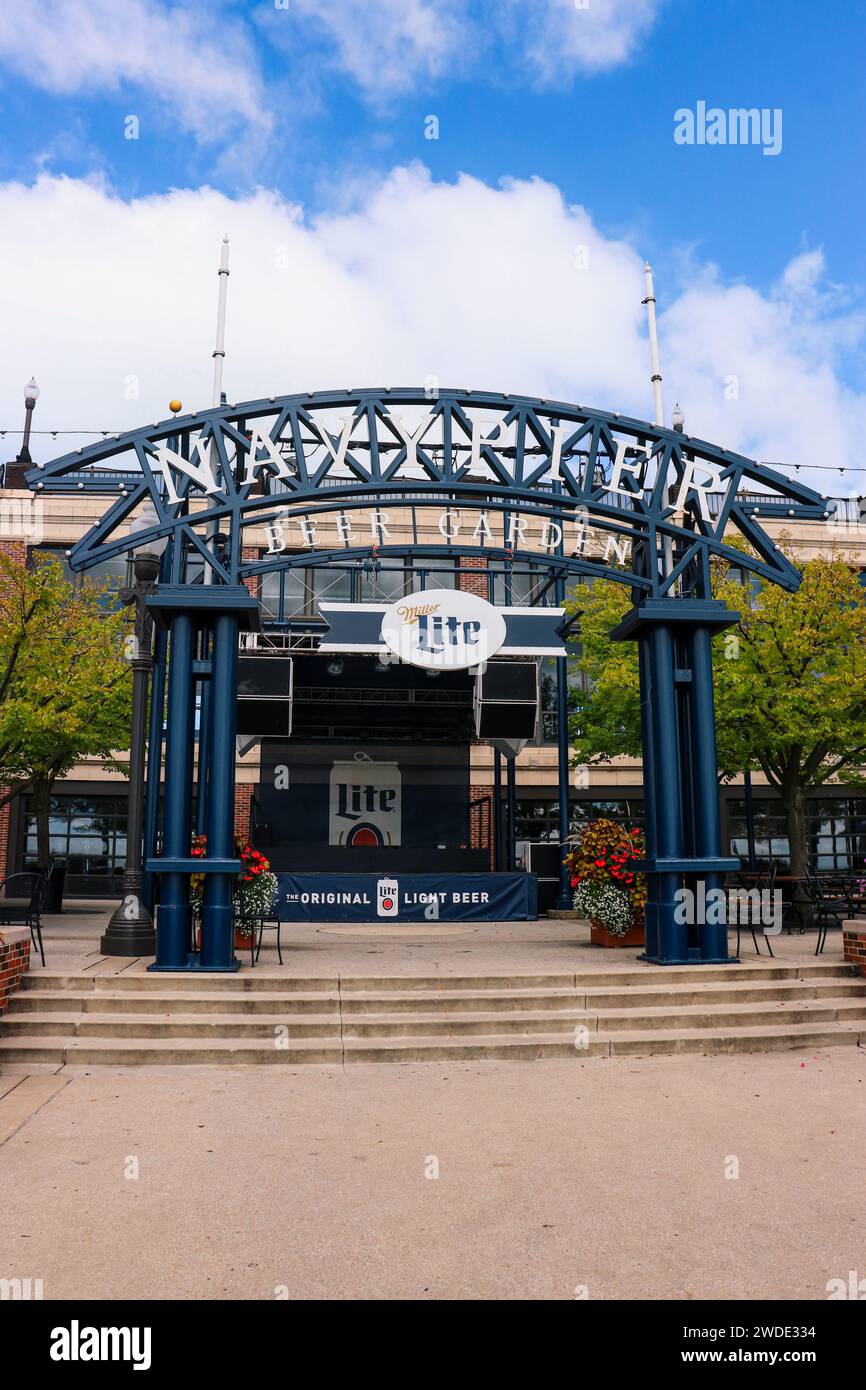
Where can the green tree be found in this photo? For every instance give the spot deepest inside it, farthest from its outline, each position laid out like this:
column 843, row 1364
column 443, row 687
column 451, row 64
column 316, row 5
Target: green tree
column 65, row 688
column 790, row 683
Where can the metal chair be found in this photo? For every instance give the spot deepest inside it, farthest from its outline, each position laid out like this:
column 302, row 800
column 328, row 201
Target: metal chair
column 24, row 905
column 736, row 881
column 270, row 925
column 826, row 902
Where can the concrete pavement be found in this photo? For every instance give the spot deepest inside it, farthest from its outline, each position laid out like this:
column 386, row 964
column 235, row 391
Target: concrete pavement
column 613, row 1177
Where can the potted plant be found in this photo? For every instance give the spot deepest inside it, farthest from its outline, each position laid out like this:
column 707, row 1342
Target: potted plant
column 607, row 888
column 254, row 890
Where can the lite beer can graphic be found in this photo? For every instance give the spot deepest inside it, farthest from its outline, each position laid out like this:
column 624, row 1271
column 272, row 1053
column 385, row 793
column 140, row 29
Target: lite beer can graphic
column 365, row 804
column 387, row 897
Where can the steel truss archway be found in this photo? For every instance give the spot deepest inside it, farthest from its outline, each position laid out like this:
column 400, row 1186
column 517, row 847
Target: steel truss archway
column 317, row 479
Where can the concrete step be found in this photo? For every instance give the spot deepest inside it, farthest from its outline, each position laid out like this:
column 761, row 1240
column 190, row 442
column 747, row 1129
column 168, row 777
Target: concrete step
column 85, row 1052
column 178, row 1024
column 414, row 1001
column 64, row 1001
column 264, row 979
column 254, row 1018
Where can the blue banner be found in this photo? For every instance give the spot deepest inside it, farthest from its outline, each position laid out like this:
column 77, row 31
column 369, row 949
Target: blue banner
column 407, row 898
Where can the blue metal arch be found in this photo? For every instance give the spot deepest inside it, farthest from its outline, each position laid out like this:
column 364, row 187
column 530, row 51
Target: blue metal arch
column 537, row 457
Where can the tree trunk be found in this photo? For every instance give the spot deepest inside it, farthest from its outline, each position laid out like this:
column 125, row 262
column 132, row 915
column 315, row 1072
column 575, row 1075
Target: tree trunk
column 41, row 803
column 795, row 809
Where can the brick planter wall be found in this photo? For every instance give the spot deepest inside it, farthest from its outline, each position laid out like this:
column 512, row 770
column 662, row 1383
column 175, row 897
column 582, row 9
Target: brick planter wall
column 14, row 961
column 854, row 944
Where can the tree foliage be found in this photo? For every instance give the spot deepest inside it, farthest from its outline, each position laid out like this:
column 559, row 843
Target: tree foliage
column 790, row 683
column 65, row 688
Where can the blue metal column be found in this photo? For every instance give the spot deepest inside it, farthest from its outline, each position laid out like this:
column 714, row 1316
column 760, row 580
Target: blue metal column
column 705, row 786
column 673, row 936
column 511, row 848
column 173, row 915
column 154, row 760
column 217, row 932
column 565, row 898
column 679, row 764
column 497, row 809
column 651, row 917
column 204, row 748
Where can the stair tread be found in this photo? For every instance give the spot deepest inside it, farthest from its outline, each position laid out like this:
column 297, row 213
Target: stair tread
column 599, row 993
column 351, row 1044
column 33, row 1017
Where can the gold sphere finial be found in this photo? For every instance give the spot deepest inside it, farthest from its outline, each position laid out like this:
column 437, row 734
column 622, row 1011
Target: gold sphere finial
column 175, row 407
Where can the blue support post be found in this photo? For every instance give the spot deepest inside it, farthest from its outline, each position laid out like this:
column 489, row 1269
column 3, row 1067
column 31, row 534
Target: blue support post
column 204, row 748
column 217, row 931
column 564, row 899
column 173, row 916
column 154, row 760
column 683, row 830
column 705, row 786
column 497, row 810
column 673, row 935
column 651, row 914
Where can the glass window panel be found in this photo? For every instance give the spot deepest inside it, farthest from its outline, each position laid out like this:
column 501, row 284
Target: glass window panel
column 269, row 595
column 386, row 583
column 437, row 574
column 331, row 584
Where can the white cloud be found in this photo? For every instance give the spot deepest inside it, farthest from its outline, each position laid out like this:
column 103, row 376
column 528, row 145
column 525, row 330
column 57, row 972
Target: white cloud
column 193, row 59
column 563, row 37
column 506, row 288
column 388, row 45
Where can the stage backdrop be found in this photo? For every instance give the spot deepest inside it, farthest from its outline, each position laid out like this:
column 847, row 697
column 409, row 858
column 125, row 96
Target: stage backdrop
column 407, row 897
column 413, row 796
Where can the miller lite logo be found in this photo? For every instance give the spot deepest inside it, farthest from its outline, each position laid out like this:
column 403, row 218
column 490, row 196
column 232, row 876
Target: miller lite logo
column 387, row 897
column 443, row 629
column 366, row 803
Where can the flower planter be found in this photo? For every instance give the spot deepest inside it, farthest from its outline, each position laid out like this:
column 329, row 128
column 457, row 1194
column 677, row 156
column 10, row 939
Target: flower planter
column 600, row 936
column 242, row 942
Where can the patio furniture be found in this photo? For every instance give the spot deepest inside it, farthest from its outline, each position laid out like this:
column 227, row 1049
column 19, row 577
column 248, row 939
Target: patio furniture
column 270, row 925
column 737, row 881
column 829, row 900
column 23, row 903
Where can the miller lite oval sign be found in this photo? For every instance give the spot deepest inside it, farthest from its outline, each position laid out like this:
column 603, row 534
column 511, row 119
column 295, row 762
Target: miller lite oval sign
column 443, row 629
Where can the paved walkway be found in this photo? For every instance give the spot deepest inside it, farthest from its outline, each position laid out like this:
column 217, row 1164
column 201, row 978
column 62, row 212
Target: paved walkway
column 467, row 948
column 610, row 1176
column 673, row 1177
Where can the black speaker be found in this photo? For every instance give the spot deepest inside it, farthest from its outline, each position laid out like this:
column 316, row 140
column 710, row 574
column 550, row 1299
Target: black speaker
column 506, row 699
column 265, row 696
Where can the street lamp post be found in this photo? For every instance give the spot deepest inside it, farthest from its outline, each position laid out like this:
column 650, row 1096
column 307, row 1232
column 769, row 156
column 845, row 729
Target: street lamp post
column 31, row 396
column 131, row 931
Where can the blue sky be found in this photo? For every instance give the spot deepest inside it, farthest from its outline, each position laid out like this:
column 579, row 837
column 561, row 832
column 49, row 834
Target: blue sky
column 319, row 102
column 604, row 137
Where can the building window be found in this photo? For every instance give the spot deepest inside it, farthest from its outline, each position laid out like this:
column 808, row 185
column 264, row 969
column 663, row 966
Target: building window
column 88, row 834
column 434, row 574
column 521, row 586
column 111, row 574
column 835, row 833
column 382, row 581
column 539, row 820
column 771, row 832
